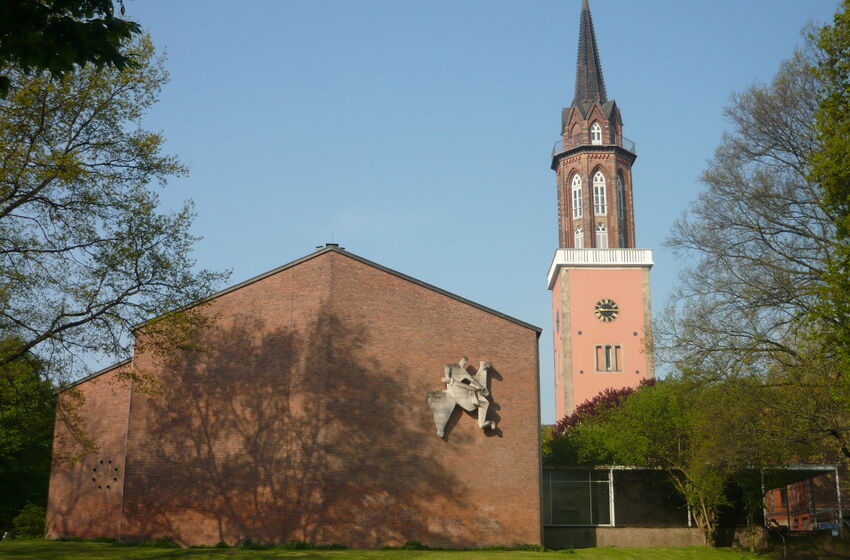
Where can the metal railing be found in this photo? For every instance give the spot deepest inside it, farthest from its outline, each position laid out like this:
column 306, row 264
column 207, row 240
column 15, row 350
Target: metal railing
column 565, row 143
column 616, row 256
column 598, row 258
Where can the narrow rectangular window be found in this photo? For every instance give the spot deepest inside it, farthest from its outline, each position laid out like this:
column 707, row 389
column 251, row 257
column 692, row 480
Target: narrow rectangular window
column 609, row 357
column 577, row 203
column 600, row 205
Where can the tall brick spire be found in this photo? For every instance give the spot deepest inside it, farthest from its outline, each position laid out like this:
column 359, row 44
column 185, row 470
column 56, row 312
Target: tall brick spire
column 590, row 86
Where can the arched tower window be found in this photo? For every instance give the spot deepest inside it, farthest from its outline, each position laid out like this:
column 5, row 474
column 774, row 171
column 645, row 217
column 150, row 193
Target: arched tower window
column 601, row 236
column 600, row 205
column 578, row 238
column 621, row 209
column 595, row 134
column 576, row 196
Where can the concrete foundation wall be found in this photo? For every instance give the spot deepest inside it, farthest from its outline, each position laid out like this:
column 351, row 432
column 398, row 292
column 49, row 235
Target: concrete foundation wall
column 587, row 537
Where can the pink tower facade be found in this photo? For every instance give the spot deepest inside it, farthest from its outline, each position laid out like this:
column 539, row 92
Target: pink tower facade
column 599, row 280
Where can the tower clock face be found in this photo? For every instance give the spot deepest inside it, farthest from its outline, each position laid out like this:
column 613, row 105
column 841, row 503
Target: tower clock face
column 606, row 310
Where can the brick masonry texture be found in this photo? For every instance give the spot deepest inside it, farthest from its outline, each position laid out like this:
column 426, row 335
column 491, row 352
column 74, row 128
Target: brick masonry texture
column 304, row 418
column 586, row 162
column 85, row 497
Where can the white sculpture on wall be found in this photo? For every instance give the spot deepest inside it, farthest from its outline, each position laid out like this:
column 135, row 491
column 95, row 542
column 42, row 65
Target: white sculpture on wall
column 464, row 390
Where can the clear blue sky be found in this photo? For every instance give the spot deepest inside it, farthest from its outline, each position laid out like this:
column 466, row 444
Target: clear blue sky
column 418, row 134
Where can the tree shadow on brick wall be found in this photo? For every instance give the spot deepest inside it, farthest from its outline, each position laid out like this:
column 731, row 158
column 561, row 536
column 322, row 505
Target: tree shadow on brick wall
column 284, row 435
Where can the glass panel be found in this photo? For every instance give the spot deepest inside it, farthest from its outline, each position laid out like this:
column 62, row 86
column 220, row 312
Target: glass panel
column 602, row 240
column 547, row 500
column 600, row 504
column 571, row 503
column 647, row 499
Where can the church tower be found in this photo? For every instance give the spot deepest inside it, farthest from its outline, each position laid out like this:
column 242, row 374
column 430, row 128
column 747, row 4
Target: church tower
column 599, row 281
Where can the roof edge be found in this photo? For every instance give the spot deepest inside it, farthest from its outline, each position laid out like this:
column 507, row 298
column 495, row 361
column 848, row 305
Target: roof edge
column 438, row 290
column 341, row 251
column 91, row 376
column 242, row 284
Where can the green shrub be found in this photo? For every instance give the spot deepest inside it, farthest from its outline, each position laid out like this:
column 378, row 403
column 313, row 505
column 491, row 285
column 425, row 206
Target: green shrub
column 29, row 524
column 251, row 545
column 165, row 541
column 415, row 545
column 295, row 545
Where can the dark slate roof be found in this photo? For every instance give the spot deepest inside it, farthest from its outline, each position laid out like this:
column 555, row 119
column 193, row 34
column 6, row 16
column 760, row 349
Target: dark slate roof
column 590, row 85
column 608, row 110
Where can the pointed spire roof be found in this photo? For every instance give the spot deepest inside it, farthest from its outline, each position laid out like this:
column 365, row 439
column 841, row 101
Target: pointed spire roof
column 590, row 85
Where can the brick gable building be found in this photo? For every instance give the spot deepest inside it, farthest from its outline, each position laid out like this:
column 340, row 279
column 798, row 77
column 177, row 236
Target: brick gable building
column 304, row 418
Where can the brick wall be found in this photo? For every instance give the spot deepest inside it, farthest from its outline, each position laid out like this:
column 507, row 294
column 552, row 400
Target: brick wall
column 305, row 418
column 85, row 494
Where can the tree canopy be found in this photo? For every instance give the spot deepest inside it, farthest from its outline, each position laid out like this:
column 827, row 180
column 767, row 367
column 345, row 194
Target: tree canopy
column 830, row 168
column 751, row 307
column 85, row 252
column 26, row 429
column 59, row 35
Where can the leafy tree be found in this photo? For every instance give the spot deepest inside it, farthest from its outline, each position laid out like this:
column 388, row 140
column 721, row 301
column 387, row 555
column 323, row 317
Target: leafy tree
column 698, row 434
column 29, row 524
column 26, row 430
column 760, row 243
column 558, row 448
column 831, row 169
column 606, row 398
column 757, row 237
column 85, row 254
column 57, row 35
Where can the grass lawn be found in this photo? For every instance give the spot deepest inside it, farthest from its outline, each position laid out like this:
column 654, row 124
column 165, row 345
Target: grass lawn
column 51, row 550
